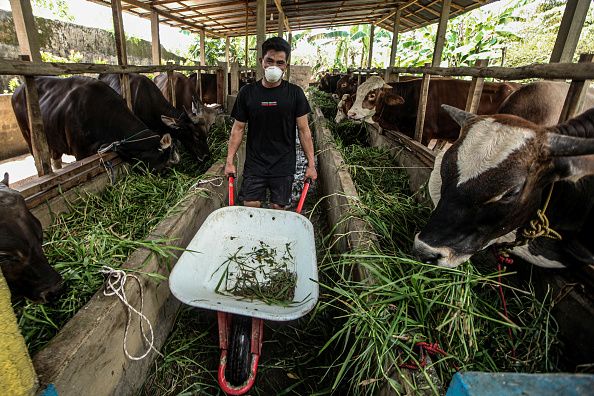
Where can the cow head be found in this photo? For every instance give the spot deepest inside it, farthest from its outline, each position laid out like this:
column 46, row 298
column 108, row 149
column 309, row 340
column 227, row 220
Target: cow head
column 192, row 133
column 157, row 152
column 343, row 107
column 347, row 84
column 387, row 101
column 491, row 180
column 23, row 263
column 206, row 113
column 364, row 105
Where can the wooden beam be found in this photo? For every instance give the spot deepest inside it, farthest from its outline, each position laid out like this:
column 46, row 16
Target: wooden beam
column 282, row 19
column 441, row 31
column 247, row 50
column 170, row 86
column 574, row 102
column 26, row 29
column 261, row 34
column 222, row 84
column 289, row 60
column 371, row 38
column 155, row 38
column 227, row 45
column 422, row 107
column 394, row 47
column 202, row 48
column 281, row 24
column 476, row 89
column 120, row 41
column 570, row 30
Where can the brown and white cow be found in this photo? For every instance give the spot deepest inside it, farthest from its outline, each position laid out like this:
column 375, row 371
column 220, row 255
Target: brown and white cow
column 343, row 107
column 495, row 177
column 394, row 106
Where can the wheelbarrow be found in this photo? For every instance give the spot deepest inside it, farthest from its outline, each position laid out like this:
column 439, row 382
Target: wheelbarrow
column 196, row 277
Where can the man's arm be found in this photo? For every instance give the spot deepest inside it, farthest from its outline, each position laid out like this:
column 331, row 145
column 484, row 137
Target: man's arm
column 308, row 148
column 234, row 142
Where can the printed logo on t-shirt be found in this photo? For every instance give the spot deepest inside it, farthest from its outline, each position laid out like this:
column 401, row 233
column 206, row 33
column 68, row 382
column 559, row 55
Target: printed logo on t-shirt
column 268, row 104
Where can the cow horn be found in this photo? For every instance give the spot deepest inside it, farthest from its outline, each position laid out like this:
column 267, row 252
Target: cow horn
column 5, row 180
column 460, row 116
column 569, row 146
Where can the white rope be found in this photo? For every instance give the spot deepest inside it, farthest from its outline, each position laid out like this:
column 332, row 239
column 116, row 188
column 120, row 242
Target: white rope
column 211, row 181
column 116, row 281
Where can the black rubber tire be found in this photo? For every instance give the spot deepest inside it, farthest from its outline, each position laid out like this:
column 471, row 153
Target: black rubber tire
column 239, row 352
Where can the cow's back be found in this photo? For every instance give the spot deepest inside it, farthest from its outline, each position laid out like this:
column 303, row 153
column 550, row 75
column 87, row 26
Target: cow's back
column 182, row 88
column 541, row 102
column 208, row 82
column 79, row 114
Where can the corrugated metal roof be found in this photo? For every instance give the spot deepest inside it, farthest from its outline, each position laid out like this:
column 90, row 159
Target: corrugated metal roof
column 231, row 17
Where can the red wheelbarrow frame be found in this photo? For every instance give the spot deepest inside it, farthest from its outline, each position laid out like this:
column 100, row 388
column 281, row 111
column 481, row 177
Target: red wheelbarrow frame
column 224, row 322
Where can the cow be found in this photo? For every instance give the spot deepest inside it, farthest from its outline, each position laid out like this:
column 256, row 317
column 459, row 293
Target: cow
column 208, row 83
column 187, row 98
column 394, row 106
column 82, row 115
column 328, row 82
column 151, row 107
column 24, row 266
column 347, row 84
column 541, row 102
column 343, row 107
column 490, row 183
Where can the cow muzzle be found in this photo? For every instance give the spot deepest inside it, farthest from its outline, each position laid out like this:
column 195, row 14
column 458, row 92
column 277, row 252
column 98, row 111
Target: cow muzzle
column 442, row 256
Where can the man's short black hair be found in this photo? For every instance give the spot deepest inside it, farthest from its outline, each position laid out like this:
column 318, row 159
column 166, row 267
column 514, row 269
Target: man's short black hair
column 276, row 44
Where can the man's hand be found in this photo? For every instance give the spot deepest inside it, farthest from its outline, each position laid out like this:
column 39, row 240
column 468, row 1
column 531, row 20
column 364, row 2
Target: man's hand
column 230, row 170
column 311, row 173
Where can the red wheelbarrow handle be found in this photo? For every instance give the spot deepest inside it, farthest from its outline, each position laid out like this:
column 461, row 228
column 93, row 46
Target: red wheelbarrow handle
column 308, row 181
column 232, row 189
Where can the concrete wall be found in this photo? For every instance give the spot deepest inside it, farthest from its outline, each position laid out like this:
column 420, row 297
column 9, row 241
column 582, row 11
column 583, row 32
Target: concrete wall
column 12, row 142
column 62, row 38
column 300, row 75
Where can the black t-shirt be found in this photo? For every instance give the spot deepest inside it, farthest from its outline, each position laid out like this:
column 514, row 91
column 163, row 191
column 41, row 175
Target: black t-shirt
column 271, row 114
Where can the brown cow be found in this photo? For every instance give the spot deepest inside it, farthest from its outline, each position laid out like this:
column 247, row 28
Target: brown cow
column 186, row 97
column 541, row 102
column 395, row 108
column 343, row 107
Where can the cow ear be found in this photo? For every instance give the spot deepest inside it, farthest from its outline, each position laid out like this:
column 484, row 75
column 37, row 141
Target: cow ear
column 574, row 168
column 392, row 99
column 170, row 122
column 165, row 141
column 460, row 116
column 5, row 180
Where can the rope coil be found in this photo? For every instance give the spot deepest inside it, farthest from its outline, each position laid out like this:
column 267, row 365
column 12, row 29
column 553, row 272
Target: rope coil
column 116, row 281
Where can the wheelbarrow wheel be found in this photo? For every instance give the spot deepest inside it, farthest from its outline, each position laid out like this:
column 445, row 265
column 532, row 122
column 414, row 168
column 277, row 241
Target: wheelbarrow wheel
column 238, row 362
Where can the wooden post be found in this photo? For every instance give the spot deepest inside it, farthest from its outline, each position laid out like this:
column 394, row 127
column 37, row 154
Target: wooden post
column 235, row 76
column 120, row 39
column 171, row 86
column 202, row 48
column 261, row 35
column 422, row 106
column 227, row 45
column 289, row 60
column 441, row 31
column 222, row 84
column 359, row 77
column 247, row 50
column 199, row 84
column 476, row 89
column 281, row 24
column 39, row 146
column 26, row 29
column 576, row 94
column 155, row 39
column 570, row 30
column 371, row 37
column 394, row 46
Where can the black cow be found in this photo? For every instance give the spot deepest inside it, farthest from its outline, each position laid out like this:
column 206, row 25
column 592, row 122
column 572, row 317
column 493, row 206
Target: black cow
column 491, row 182
column 149, row 104
column 328, row 82
column 22, row 261
column 81, row 115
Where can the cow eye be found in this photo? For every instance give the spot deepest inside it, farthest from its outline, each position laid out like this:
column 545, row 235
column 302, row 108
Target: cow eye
column 371, row 97
column 343, row 85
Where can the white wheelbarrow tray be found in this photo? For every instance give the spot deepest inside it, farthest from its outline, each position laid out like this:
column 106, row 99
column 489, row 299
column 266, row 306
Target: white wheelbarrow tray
column 199, row 269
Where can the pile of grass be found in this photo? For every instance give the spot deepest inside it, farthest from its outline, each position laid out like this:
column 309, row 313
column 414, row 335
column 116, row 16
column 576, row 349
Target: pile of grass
column 324, row 101
column 105, row 229
column 410, row 302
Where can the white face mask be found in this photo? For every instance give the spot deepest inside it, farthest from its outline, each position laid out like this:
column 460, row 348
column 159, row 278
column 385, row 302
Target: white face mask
column 273, row 74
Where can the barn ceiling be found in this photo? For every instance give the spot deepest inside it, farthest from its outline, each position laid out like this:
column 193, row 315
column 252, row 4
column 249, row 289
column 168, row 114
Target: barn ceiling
column 232, row 17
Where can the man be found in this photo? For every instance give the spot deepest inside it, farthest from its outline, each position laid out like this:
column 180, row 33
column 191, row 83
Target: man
column 273, row 108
